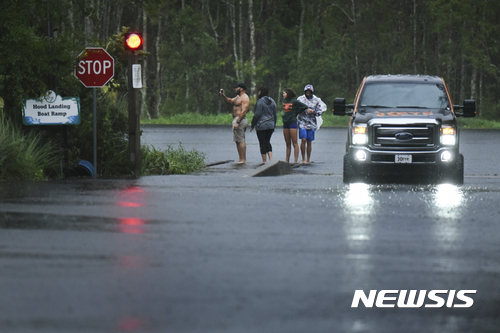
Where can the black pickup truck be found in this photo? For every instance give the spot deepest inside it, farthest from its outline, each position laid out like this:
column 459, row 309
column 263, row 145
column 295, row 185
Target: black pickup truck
column 403, row 125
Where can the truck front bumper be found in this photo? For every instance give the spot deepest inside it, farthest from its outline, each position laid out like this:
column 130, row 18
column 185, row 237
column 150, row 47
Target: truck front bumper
column 365, row 157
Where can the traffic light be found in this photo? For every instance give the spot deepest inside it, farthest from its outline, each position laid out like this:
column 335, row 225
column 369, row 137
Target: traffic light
column 133, row 41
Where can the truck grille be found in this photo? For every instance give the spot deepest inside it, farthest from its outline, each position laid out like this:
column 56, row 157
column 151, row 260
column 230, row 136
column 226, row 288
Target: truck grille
column 397, row 136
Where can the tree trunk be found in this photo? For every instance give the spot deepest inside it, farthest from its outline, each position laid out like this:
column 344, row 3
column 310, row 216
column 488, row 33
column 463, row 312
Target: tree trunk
column 301, row 29
column 242, row 77
column 71, row 16
column 187, row 73
column 253, row 61
column 424, row 48
column 206, row 7
column 462, row 66
column 87, row 21
column 158, row 81
column 104, row 19
column 473, row 83
column 358, row 73
column 235, row 48
column 480, row 107
column 144, row 89
column 119, row 12
column 414, row 36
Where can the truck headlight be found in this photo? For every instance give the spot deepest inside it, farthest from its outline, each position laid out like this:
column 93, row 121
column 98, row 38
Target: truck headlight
column 448, row 136
column 360, row 156
column 446, row 156
column 359, row 135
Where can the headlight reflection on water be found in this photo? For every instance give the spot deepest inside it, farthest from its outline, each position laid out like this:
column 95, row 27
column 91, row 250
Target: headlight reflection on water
column 447, row 200
column 358, row 229
column 448, row 204
column 358, row 199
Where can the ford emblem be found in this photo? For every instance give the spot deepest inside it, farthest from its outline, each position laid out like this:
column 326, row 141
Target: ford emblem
column 404, row 136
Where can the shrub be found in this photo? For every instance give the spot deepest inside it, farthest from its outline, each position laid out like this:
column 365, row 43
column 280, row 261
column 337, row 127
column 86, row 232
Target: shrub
column 112, row 138
column 171, row 161
column 154, row 162
column 28, row 155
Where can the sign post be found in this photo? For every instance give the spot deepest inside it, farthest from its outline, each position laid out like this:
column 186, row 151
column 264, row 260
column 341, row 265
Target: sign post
column 133, row 42
column 95, row 69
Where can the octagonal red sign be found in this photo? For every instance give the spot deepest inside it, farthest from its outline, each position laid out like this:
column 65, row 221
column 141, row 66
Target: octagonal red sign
column 95, row 67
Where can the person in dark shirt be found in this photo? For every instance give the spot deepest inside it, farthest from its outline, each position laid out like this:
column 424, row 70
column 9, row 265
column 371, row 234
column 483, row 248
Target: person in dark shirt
column 264, row 121
column 291, row 108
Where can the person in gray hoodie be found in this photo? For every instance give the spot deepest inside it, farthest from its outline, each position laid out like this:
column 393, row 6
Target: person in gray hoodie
column 264, row 122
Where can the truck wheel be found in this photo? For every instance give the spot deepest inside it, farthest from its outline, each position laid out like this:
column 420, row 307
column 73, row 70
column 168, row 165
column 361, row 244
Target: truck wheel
column 349, row 175
column 455, row 173
column 458, row 172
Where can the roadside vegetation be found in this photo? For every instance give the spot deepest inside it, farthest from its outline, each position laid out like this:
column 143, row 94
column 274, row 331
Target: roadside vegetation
column 283, row 44
column 329, row 120
column 30, row 156
column 171, row 161
column 478, row 123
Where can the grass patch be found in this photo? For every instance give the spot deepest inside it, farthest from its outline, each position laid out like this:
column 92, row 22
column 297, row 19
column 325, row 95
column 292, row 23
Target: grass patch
column 329, row 120
column 191, row 119
column 171, row 161
column 478, row 123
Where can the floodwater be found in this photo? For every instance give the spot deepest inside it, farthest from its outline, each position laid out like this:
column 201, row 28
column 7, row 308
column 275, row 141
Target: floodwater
column 217, row 251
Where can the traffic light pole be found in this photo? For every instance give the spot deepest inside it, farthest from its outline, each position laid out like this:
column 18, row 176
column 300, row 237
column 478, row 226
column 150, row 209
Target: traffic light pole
column 134, row 121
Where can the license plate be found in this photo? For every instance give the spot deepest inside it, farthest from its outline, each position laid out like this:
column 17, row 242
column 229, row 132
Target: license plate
column 403, row 159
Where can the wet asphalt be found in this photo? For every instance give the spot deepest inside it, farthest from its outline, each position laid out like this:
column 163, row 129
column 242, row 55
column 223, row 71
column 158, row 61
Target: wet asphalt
column 217, row 251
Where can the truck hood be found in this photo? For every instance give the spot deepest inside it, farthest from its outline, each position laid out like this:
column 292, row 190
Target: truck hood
column 403, row 115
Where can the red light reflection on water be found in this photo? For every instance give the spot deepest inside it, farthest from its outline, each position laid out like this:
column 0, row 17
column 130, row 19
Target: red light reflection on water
column 131, row 225
column 128, row 204
column 128, row 201
column 131, row 324
column 132, row 189
column 131, row 197
column 131, row 261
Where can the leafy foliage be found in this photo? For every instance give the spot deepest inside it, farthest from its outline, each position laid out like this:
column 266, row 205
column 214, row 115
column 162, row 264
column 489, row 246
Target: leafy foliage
column 27, row 156
column 171, row 161
column 194, row 48
column 154, row 162
column 112, row 129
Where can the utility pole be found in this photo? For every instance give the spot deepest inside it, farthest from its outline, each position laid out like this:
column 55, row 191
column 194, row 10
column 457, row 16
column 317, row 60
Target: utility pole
column 133, row 43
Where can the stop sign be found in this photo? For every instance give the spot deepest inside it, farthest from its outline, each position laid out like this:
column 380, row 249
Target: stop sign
column 95, row 67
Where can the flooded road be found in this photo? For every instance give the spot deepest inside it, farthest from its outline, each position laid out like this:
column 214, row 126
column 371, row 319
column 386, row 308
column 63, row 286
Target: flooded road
column 217, row 251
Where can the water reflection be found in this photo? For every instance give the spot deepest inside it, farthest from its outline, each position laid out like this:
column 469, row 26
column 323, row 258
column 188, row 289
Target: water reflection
column 448, row 204
column 131, row 197
column 358, row 228
column 448, row 200
column 128, row 204
column 358, row 199
column 131, row 324
column 132, row 261
column 131, row 225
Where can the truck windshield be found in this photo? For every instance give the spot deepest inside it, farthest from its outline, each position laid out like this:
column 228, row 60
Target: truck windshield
column 403, row 95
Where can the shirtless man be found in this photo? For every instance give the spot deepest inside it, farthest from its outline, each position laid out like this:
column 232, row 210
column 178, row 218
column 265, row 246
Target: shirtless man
column 240, row 123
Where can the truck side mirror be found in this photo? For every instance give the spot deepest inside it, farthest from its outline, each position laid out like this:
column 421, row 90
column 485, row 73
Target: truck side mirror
column 339, row 107
column 469, row 108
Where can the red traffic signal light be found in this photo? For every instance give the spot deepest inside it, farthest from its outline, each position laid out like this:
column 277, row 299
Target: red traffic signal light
column 133, row 41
